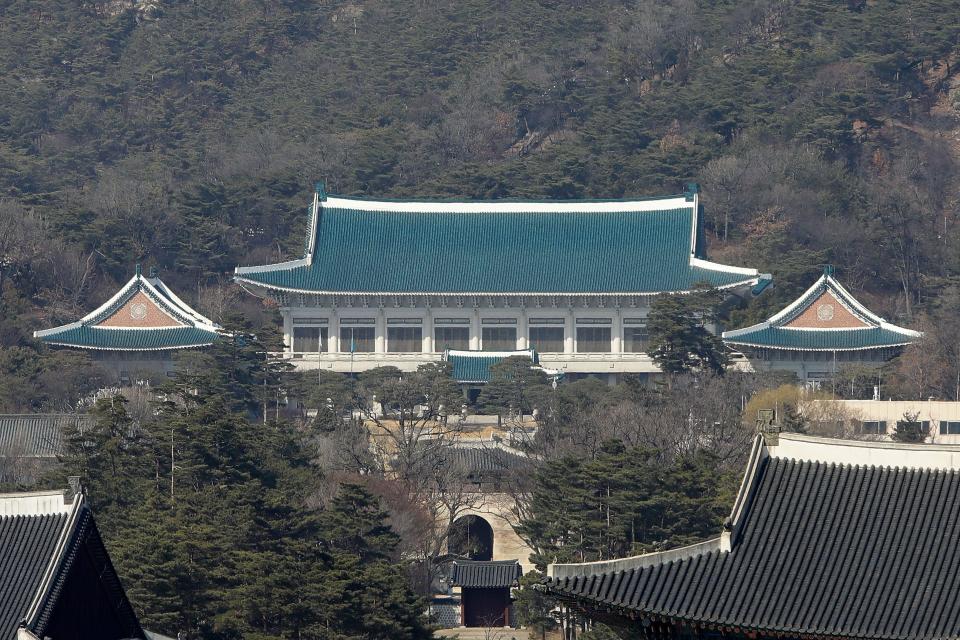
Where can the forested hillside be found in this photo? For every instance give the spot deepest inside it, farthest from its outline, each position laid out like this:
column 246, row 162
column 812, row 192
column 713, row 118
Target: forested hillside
column 821, row 131
column 188, row 135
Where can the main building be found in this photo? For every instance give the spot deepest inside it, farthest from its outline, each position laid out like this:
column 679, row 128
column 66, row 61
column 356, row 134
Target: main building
column 400, row 282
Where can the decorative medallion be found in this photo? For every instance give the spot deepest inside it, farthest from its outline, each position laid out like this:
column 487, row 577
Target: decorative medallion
column 138, row 311
column 825, row 312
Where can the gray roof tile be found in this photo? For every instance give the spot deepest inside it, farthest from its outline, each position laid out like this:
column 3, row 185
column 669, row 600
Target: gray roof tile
column 485, row 574
column 825, row 549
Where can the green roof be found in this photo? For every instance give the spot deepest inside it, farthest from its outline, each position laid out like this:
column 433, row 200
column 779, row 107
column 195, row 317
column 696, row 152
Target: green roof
column 822, row 340
column 192, row 328
column 359, row 246
column 132, row 339
column 875, row 332
column 473, row 367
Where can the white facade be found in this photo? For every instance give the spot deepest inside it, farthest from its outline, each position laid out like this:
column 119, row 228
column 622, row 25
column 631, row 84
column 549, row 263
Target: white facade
column 879, row 417
column 590, row 336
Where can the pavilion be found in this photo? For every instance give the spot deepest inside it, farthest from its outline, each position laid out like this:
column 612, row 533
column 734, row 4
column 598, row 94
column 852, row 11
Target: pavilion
column 56, row 578
column 137, row 330
column 826, row 539
column 400, row 282
column 823, row 330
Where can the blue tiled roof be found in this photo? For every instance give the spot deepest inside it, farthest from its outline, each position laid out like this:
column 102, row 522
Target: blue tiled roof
column 473, row 367
column 776, row 332
column 466, row 250
column 133, row 339
column 194, row 330
column 821, row 340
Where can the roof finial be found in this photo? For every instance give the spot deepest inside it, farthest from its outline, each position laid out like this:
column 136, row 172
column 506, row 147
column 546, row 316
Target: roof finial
column 690, row 190
column 828, row 269
column 321, row 190
column 139, row 271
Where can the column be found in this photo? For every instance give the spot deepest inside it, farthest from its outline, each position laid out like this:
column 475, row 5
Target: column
column 427, row 331
column 381, row 331
column 333, row 333
column 569, row 331
column 475, row 330
column 287, row 329
column 616, row 332
column 523, row 331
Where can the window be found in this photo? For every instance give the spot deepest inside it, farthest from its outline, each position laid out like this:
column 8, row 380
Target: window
column 949, row 428
column 404, row 339
column 547, row 339
column 357, row 339
column 451, row 338
column 498, row 338
column 636, row 338
column 874, row 427
column 593, row 339
column 451, row 333
column 309, row 339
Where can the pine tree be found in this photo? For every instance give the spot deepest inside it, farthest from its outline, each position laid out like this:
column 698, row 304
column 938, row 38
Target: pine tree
column 909, row 429
column 514, row 385
column 679, row 339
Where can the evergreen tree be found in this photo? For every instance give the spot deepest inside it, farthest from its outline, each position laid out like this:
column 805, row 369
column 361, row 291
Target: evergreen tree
column 679, row 339
column 910, row 429
column 623, row 502
column 514, row 385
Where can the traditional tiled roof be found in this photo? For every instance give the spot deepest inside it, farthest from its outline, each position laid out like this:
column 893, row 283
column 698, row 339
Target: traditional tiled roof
column 357, row 246
column 144, row 315
column 825, row 318
column 42, row 538
column 485, row 574
column 480, row 459
column 37, row 435
column 473, row 367
column 827, row 538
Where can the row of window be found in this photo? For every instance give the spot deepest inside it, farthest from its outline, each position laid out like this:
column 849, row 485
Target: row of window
column 879, row 427
column 409, row 339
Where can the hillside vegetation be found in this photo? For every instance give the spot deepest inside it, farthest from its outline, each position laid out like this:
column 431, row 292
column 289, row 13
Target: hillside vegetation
column 188, row 136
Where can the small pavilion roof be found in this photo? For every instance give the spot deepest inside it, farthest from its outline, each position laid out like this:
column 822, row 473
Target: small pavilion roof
column 484, row 458
column 473, row 367
column 144, row 315
column 825, row 318
column 42, row 537
column 826, row 538
column 485, row 574
column 639, row 246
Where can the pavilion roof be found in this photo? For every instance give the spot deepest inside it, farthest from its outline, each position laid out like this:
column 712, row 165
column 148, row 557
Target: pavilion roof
column 486, row 459
column 42, row 537
column 144, row 315
column 825, row 318
column 827, row 538
column 640, row 246
column 485, row 574
column 473, row 367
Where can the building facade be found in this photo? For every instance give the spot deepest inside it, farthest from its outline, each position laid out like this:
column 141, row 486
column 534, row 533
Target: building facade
column 399, row 283
column 137, row 331
column 939, row 419
column 820, row 333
